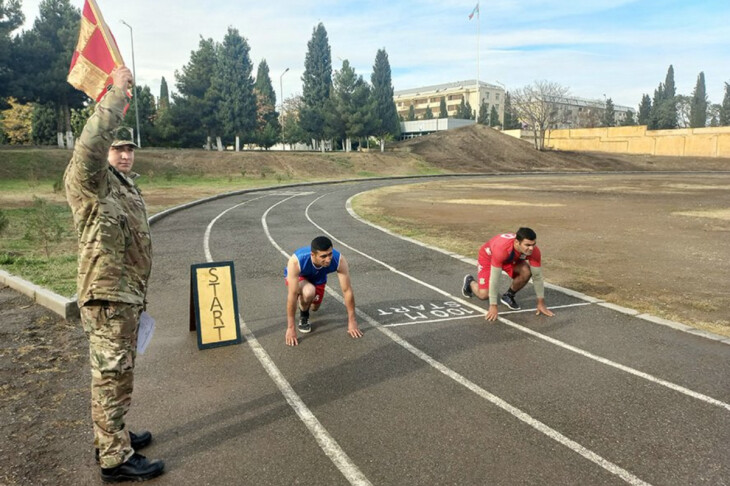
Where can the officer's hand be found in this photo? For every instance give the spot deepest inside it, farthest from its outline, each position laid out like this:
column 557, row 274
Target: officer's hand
column 122, row 77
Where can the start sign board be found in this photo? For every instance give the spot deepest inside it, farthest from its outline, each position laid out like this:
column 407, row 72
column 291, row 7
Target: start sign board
column 214, row 304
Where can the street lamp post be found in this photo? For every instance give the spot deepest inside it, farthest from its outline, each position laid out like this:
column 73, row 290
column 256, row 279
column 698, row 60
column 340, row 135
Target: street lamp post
column 134, row 86
column 281, row 89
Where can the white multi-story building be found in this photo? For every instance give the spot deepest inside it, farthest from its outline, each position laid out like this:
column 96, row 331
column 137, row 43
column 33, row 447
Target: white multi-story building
column 452, row 93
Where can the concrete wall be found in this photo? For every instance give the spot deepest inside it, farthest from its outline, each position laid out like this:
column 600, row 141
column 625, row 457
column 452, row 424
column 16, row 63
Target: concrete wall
column 695, row 142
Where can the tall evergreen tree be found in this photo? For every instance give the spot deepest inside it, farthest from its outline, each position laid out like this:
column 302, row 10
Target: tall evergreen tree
column 668, row 111
column 655, row 117
column 44, row 124
column 385, row 113
column 645, row 111
column 461, row 112
column 164, row 101
column 317, row 84
column 268, row 128
column 483, row 118
column 411, row 113
column 724, row 117
column 233, row 86
column 468, row 111
column 698, row 105
column 361, row 122
column 628, row 119
column 511, row 120
column 44, row 55
column 193, row 112
column 443, row 112
column 609, row 114
column 11, row 18
column 147, row 113
column 345, row 119
column 493, row 117
column 428, row 115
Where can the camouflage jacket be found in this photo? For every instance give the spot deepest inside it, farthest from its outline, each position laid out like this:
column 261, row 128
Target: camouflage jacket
column 115, row 249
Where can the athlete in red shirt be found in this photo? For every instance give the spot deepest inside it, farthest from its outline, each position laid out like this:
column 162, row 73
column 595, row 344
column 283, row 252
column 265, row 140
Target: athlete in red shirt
column 516, row 254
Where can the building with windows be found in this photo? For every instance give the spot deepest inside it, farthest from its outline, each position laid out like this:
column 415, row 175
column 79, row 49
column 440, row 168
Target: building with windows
column 430, row 97
column 584, row 113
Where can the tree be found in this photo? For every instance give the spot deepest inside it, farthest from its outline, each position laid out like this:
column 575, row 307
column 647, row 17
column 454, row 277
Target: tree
column 350, row 101
column 11, row 18
column 232, row 87
column 193, row 111
column 645, row 111
column 17, row 122
column 164, row 101
column 493, row 117
column 317, row 83
column 43, row 124
column 609, row 114
column 511, row 120
column 147, row 113
column 44, row 55
column 698, row 105
column 461, row 112
column 44, row 224
column 725, row 108
column 628, row 120
column 713, row 114
column 291, row 131
column 428, row 115
column 385, row 114
column 268, row 129
column 443, row 112
column 664, row 107
column 483, row 118
column 411, row 113
column 684, row 110
column 536, row 104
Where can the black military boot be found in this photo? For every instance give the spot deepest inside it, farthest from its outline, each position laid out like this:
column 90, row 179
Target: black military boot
column 139, row 441
column 136, row 468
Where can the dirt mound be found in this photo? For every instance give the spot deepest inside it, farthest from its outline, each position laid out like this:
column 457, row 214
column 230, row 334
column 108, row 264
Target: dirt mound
column 478, row 148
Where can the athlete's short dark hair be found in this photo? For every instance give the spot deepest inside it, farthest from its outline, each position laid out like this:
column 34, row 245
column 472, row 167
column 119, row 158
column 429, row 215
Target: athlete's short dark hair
column 321, row 243
column 526, row 233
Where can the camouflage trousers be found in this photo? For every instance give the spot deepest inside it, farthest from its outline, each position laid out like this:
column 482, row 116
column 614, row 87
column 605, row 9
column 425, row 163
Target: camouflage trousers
column 111, row 328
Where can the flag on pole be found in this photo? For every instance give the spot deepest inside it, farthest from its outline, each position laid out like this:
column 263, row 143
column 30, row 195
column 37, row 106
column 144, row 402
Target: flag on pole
column 96, row 54
column 475, row 11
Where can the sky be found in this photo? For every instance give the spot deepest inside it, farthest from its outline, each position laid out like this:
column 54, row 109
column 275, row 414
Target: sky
column 617, row 48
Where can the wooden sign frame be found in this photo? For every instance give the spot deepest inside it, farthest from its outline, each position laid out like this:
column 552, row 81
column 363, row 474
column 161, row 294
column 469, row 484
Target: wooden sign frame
column 203, row 326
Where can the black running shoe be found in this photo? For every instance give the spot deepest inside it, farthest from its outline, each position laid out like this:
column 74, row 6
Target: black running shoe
column 304, row 325
column 509, row 301
column 466, row 289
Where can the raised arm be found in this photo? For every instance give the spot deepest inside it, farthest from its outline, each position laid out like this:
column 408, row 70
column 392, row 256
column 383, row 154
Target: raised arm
column 343, row 273
column 88, row 167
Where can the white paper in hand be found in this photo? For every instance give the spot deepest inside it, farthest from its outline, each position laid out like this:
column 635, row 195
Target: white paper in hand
column 146, row 330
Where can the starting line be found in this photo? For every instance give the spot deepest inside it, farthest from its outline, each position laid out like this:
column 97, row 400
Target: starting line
column 399, row 324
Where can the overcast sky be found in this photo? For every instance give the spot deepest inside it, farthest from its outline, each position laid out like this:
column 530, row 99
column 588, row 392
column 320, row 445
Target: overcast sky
column 620, row 48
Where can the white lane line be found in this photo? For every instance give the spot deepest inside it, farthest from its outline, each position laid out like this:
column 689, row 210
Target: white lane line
column 206, row 237
column 569, row 347
column 413, row 323
column 514, row 411
column 328, row 444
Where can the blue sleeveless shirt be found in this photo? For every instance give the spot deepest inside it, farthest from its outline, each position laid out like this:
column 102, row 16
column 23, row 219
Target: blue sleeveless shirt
column 307, row 269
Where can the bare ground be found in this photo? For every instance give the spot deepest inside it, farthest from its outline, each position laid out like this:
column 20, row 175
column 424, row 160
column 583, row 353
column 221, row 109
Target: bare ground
column 629, row 239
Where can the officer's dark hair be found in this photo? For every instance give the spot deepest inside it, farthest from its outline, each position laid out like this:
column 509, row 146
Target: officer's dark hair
column 526, row 233
column 321, row 243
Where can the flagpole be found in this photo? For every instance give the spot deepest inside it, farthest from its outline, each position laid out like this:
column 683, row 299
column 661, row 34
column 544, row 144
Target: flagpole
column 479, row 29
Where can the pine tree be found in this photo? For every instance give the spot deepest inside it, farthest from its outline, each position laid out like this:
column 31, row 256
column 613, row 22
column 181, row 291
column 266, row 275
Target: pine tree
column 147, row 113
column 317, row 84
column 193, row 113
column 609, row 114
column 164, row 102
column 11, row 18
column 44, row 124
column 725, row 108
column 443, row 112
column 628, row 119
column 346, row 119
column 461, row 111
column 483, row 118
column 668, row 111
column 698, row 105
column 385, row 113
column 268, row 128
column 645, row 111
column 232, row 86
column 493, row 117
column 511, row 121
column 468, row 111
column 428, row 115
column 411, row 113
column 656, row 107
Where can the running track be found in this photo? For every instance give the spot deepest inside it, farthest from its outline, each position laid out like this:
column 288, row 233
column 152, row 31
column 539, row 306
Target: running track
column 432, row 394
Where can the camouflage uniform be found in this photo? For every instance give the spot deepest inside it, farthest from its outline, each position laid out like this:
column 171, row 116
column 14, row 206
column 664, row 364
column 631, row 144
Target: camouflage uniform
column 115, row 253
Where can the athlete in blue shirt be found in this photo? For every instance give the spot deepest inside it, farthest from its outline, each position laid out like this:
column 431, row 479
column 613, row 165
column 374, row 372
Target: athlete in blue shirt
column 306, row 277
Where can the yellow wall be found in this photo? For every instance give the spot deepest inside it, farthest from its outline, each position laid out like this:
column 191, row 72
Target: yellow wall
column 695, row 142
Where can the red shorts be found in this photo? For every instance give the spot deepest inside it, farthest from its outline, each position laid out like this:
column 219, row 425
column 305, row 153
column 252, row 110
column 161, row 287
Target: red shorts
column 486, row 270
column 318, row 292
